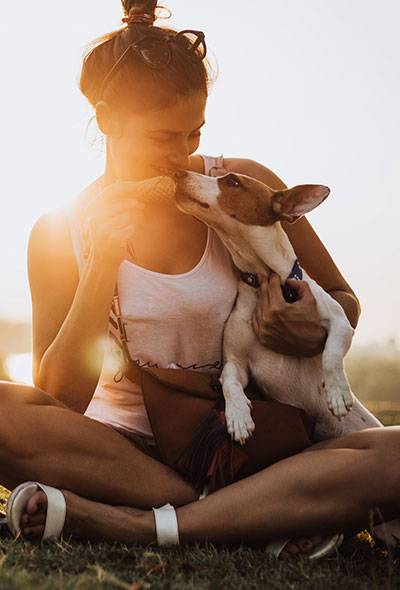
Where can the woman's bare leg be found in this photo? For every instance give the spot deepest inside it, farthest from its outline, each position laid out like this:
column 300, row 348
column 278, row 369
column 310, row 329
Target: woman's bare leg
column 336, row 487
column 42, row 440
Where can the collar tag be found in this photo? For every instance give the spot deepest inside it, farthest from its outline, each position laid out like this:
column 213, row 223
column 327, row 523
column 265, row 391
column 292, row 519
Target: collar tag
column 250, row 279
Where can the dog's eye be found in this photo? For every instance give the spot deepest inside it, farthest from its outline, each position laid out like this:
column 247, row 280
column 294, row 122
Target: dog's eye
column 233, row 181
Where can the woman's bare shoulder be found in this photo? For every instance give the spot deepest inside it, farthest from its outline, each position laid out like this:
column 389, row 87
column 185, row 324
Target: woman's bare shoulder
column 255, row 170
column 51, row 257
column 52, row 230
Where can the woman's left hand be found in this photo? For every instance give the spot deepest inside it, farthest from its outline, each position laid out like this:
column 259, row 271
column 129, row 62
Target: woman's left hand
column 288, row 328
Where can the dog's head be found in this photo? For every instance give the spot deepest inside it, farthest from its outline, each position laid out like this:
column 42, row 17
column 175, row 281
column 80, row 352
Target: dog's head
column 235, row 198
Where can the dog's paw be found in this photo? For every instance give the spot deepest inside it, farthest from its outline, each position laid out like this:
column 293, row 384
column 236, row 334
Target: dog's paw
column 339, row 397
column 239, row 422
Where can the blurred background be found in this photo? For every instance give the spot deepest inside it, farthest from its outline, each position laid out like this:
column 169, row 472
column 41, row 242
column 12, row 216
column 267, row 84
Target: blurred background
column 310, row 88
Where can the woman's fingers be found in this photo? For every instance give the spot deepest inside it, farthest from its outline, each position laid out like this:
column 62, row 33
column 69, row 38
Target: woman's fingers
column 274, row 290
column 262, row 304
column 269, row 299
column 119, row 195
column 302, row 288
column 122, row 220
column 288, row 328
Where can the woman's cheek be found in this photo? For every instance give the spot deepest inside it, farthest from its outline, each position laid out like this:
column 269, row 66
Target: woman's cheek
column 193, row 145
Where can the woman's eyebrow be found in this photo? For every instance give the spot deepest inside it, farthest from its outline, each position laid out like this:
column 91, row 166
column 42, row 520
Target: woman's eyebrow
column 171, row 132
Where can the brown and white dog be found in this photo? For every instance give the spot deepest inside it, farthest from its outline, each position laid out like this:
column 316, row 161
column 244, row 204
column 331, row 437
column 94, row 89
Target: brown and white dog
column 246, row 215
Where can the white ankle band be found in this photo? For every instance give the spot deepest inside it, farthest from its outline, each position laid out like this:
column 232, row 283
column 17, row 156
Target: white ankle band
column 166, row 525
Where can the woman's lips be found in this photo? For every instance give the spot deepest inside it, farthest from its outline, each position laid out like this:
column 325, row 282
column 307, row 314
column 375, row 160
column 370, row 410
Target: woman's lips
column 164, row 171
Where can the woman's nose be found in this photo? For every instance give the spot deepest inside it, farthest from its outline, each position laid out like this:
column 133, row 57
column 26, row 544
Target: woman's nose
column 179, row 160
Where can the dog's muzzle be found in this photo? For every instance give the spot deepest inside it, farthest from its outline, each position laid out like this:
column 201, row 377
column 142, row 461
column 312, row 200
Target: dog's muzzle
column 184, row 193
column 179, row 175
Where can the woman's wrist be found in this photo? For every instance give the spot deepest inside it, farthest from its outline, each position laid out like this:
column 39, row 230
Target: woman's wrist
column 105, row 267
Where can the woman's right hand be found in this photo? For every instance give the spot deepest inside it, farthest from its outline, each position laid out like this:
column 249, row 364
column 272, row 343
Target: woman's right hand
column 110, row 222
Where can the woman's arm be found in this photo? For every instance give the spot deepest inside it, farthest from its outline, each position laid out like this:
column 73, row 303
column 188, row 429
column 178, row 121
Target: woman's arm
column 70, row 313
column 69, row 316
column 318, row 264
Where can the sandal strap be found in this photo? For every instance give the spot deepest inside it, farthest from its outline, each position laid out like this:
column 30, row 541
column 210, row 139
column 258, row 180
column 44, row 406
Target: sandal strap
column 325, row 548
column 276, row 546
column 166, row 525
column 56, row 511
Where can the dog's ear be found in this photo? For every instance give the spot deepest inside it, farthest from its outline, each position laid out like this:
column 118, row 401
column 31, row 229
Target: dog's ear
column 291, row 203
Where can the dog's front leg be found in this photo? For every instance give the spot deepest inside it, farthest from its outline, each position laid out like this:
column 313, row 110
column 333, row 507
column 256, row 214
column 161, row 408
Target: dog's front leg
column 234, row 379
column 337, row 388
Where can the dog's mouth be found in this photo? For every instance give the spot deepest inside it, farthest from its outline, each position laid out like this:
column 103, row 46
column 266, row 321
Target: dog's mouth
column 204, row 205
column 182, row 196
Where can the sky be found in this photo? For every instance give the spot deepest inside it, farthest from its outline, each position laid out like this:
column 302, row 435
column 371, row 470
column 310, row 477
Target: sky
column 309, row 88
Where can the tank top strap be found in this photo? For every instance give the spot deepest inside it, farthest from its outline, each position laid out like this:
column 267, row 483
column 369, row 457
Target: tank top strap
column 212, row 162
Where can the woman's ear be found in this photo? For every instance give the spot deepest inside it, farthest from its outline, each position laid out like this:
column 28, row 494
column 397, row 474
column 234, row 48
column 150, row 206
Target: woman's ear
column 108, row 122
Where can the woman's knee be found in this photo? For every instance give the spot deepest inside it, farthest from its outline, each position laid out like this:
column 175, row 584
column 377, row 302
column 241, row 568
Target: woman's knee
column 378, row 461
column 16, row 393
column 14, row 397
column 385, row 452
column 385, row 441
column 12, row 393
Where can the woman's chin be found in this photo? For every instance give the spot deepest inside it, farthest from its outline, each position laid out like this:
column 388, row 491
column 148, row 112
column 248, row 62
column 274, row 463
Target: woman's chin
column 151, row 172
column 163, row 171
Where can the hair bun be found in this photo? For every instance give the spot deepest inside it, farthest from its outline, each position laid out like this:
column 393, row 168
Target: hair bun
column 132, row 7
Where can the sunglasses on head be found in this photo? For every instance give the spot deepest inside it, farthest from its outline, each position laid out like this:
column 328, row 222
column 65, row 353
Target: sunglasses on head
column 155, row 51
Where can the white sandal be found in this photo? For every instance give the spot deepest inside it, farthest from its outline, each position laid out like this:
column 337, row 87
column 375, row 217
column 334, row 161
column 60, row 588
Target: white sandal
column 56, row 508
column 325, row 548
column 166, row 525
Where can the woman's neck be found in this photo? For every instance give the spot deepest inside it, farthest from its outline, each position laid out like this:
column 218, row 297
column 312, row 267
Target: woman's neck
column 109, row 176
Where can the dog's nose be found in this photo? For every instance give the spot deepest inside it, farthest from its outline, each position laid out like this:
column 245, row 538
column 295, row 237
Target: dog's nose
column 178, row 174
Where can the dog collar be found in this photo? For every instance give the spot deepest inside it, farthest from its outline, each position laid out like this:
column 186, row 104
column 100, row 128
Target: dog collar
column 290, row 295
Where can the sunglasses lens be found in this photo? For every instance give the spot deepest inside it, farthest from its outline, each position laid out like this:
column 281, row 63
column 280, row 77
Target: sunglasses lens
column 195, row 42
column 154, row 52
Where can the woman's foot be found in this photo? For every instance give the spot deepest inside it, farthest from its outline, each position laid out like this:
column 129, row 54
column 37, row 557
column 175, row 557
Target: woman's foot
column 299, row 546
column 91, row 520
column 94, row 520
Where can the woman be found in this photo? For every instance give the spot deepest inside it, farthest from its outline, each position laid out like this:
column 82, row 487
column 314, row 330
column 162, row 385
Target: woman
column 150, row 98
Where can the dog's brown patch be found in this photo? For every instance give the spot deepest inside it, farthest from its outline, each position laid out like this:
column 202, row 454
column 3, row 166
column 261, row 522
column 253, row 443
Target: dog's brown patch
column 246, row 199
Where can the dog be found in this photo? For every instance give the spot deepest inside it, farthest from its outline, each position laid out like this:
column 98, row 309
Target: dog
column 246, row 215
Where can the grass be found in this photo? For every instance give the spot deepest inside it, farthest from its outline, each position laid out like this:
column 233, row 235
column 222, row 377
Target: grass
column 387, row 412
column 70, row 564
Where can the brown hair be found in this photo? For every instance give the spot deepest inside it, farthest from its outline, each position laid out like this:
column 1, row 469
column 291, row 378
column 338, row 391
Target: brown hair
column 137, row 86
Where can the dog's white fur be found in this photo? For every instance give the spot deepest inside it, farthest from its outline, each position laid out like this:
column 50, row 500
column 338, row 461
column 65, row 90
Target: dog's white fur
column 317, row 384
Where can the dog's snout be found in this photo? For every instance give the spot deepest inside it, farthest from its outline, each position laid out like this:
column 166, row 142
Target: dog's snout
column 179, row 174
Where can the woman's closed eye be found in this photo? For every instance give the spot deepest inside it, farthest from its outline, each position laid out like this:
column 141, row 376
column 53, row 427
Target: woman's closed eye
column 166, row 139
column 161, row 139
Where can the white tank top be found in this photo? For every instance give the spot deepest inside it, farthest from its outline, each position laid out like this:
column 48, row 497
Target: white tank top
column 173, row 321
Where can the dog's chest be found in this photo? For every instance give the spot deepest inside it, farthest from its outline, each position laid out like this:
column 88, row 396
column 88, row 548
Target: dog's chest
column 284, row 378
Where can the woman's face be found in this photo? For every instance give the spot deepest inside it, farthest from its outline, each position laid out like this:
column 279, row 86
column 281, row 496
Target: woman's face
column 157, row 142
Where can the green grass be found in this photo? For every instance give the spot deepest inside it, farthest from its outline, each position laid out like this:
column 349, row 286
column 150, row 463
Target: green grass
column 71, row 564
